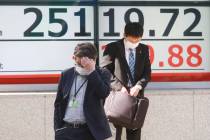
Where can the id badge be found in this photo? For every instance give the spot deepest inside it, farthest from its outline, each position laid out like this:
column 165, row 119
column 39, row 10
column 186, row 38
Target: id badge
column 73, row 103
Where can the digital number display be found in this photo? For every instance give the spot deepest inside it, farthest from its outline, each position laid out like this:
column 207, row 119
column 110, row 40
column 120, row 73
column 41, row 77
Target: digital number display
column 178, row 37
column 40, row 39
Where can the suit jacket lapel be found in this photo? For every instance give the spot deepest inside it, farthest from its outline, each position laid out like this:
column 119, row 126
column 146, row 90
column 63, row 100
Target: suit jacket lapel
column 67, row 88
column 138, row 60
column 123, row 62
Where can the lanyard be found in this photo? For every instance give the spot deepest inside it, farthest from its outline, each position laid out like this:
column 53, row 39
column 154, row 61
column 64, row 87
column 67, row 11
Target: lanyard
column 76, row 91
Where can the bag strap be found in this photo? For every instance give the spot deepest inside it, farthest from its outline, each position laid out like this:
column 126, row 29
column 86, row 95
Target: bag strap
column 128, row 72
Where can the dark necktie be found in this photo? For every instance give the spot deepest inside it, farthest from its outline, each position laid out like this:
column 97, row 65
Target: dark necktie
column 131, row 62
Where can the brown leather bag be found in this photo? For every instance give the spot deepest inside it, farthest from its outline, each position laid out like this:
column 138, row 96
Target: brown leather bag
column 125, row 110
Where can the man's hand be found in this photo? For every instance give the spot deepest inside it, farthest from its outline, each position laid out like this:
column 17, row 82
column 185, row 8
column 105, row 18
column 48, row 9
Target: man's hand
column 88, row 64
column 124, row 90
column 135, row 90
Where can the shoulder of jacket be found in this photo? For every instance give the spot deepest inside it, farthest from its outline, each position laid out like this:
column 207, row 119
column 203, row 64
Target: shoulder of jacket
column 144, row 46
column 102, row 70
column 114, row 44
column 67, row 71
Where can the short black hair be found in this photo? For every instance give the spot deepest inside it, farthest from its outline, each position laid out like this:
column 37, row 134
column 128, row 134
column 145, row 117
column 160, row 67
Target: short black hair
column 86, row 49
column 133, row 29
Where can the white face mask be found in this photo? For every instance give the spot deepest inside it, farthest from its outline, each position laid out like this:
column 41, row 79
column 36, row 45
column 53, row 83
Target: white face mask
column 131, row 45
column 81, row 70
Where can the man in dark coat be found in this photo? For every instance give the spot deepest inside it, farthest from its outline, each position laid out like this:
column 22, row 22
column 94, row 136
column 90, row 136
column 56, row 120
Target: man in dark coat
column 79, row 112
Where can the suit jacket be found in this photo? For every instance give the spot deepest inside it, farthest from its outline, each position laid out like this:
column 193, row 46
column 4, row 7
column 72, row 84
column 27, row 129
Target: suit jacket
column 118, row 66
column 98, row 88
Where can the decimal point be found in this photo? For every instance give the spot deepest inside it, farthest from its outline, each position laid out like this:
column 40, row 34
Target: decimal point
column 161, row 64
column 151, row 32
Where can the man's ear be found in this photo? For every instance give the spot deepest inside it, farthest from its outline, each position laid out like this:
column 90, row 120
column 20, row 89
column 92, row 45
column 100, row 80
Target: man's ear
column 73, row 57
column 95, row 59
column 124, row 35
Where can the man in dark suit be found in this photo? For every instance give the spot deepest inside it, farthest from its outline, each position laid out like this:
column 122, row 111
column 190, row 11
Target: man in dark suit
column 79, row 112
column 128, row 61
